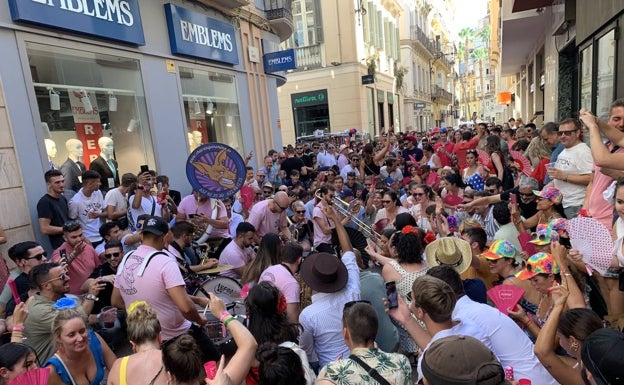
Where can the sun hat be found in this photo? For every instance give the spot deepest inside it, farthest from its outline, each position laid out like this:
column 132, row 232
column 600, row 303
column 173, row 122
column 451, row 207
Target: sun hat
column 560, row 226
column 449, row 251
column 324, row 272
column 540, row 263
column 602, row 354
column 543, row 235
column 550, row 193
column 500, row 249
column 459, row 359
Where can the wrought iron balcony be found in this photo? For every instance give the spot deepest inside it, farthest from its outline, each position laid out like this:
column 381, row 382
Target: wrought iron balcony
column 419, row 36
column 279, row 15
column 441, row 95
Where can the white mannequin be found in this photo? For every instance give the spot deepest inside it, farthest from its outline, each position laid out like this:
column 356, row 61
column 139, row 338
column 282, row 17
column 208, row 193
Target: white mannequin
column 195, row 139
column 50, row 148
column 106, row 147
column 74, row 148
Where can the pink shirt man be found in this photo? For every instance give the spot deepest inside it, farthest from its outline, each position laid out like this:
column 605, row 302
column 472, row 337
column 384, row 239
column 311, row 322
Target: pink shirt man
column 189, row 206
column 283, row 279
column 80, row 268
column 264, row 220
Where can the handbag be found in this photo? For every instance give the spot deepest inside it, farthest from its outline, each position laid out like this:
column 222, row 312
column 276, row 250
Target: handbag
column 371, row 372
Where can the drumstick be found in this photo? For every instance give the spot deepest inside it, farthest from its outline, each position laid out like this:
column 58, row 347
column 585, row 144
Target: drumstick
column 206, row 308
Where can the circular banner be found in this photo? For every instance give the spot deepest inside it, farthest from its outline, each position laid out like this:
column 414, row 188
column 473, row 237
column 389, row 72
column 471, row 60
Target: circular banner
column 215, row 170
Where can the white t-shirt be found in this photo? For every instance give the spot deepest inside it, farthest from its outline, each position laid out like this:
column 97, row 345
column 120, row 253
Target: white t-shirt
column 79, row 208
column 116, row 199
column 576, row 160
column 145, row 208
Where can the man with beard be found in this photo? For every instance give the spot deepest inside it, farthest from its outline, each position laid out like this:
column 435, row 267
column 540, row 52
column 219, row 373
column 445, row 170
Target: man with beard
column 52, row 209
column 239, row 253
column 282, row 276
column 323, row 226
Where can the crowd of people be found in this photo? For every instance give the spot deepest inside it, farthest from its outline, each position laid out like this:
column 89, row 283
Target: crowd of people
column 355, row 261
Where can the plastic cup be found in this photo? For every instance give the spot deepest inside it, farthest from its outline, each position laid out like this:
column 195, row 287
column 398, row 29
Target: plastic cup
column 524, row 381
column 108, row 316
column 550, row 166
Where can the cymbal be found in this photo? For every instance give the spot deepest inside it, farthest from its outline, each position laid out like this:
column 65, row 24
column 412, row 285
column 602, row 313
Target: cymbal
column 217, row 269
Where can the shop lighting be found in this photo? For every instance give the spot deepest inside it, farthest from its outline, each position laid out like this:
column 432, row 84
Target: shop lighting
column 229, row 121
column 55, row 100
column 197, row 107
column 86, row 102
column 210, row 108
column 112, row 102
column 133, row 125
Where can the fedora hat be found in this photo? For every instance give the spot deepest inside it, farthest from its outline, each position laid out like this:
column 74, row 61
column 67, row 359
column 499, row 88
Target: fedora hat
column 448, row 251
column 324, row 272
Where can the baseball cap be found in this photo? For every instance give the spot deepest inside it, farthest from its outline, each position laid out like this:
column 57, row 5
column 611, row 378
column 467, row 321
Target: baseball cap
column 560, row 226
column 461, row 359
column 155, row 225
column 500, row 249
column 540, row 263
column 602, row 354
column 411, row 138
column 550, row 193
column 443, row 130
column 543, row 235
column 346, row 192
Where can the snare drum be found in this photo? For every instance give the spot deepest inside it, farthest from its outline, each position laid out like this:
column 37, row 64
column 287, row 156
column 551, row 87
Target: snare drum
column 226, row 288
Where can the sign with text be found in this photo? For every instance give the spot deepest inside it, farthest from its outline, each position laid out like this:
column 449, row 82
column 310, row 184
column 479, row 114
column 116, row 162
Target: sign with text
column 194, row 34
column 280, row 61
column 312, row 98
column 88, row 124
column 419, row 106
column 118, row 20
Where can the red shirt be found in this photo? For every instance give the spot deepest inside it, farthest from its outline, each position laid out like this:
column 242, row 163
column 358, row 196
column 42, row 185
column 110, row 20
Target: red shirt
column 460, row 151
column 445, row 158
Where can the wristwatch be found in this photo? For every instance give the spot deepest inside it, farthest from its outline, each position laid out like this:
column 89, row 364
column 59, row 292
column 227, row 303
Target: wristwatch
column 91, row 297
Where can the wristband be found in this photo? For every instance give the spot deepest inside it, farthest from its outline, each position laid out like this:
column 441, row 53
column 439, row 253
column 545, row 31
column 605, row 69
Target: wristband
column 227, row 321
column 224, row 314
column 18, row 328
column 91, row 297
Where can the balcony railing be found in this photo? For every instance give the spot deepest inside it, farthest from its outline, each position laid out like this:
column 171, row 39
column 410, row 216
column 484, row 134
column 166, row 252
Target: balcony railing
column 440, row 93
column 309, row 57
column 420, row 36
column 279, row 15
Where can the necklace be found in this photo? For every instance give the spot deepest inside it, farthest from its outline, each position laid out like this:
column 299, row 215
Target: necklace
column 539, row 310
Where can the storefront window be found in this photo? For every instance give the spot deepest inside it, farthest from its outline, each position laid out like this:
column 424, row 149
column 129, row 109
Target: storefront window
column 211, row 108
column 87, row 99
column 605, row 73
column 586, row 77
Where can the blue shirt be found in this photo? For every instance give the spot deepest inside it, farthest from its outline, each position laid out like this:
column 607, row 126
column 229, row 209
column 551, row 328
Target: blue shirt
column 553, row 158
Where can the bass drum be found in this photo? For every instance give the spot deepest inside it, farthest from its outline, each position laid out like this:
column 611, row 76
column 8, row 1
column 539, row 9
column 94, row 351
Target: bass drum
column 226, row 288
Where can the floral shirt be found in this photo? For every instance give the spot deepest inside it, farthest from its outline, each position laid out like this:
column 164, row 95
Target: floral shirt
column 393, row 367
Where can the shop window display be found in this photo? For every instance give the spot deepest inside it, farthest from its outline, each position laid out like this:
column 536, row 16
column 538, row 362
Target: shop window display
column 93, row 113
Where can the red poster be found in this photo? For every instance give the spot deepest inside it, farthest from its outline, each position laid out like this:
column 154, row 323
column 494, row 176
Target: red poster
column 87, row 123
column 200, row 125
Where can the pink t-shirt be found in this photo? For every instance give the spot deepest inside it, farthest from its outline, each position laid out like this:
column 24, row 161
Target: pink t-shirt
column 188, row 206
column 264, row 220
column 599, row 208
column 319, row 236
column 283, row 279
column 233, row 255
column 162, row 273
column 81, row 268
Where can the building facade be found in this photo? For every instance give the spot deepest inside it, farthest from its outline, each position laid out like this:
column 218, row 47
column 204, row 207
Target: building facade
column 158, row 78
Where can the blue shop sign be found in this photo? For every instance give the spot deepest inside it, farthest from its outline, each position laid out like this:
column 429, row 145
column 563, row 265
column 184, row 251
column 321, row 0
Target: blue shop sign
column 280, row 61
column 194, row 34
column 118, row 20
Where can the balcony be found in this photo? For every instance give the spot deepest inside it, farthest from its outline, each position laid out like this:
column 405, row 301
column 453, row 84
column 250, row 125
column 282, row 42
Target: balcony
column 309, row 57
column 227, row 4
column 279, row 15
column 419, row 36
column 441, row 95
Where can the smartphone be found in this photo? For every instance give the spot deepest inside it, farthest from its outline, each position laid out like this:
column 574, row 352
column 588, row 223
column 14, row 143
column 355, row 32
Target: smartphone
column 63, row 254
column 144, row 168
column 514, row 199
column 539, row 112
column 392, row 295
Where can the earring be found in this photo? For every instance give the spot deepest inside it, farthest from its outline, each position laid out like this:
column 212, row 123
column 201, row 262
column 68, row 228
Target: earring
column 574, row 346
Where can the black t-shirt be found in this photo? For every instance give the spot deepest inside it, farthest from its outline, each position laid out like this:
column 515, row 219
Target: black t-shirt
column 527, row 210
column 56, row 210
column 290, row 164
column 415, row 152
column 104, row 296
column 23, row 286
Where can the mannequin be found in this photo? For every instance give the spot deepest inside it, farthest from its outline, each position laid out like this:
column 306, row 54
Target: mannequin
column 195, row 139
column 73, row 167
column 105, row 165
column 51, row 150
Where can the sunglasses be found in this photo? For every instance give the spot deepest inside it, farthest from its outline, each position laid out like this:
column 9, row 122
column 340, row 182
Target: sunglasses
column 418, row 194
column 351, row 303
column 526, row 195
column 261, row 176
column 300, row 211
column 38, row 257
column 385, row 201
column 278, row 205
column 491, row 190
column 112, row 255
column 566, row 133
column 62, row 277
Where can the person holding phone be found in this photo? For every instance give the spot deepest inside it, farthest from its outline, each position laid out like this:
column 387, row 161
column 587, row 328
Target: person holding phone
column 141, row 200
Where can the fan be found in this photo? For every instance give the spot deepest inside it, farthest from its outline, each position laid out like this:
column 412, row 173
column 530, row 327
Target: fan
column 37, row 376
column 505, row 296
column 523, row 162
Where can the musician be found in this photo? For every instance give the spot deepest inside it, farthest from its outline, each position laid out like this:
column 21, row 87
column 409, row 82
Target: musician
column 182, row 239
column 208, row 214
column 239, row 252
column 269, row 216
column 357, row 211
column 301, row 228
column 323, row 226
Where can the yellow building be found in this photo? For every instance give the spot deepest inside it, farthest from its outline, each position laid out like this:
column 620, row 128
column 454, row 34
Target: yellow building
column 336, row 46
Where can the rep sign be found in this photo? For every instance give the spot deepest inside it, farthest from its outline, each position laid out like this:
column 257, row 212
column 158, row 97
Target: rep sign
column 117, row 20
column 279, row 61
column 195, row 34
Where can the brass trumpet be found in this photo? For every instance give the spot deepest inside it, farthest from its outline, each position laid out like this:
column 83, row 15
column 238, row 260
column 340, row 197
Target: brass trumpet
column 351, row 210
